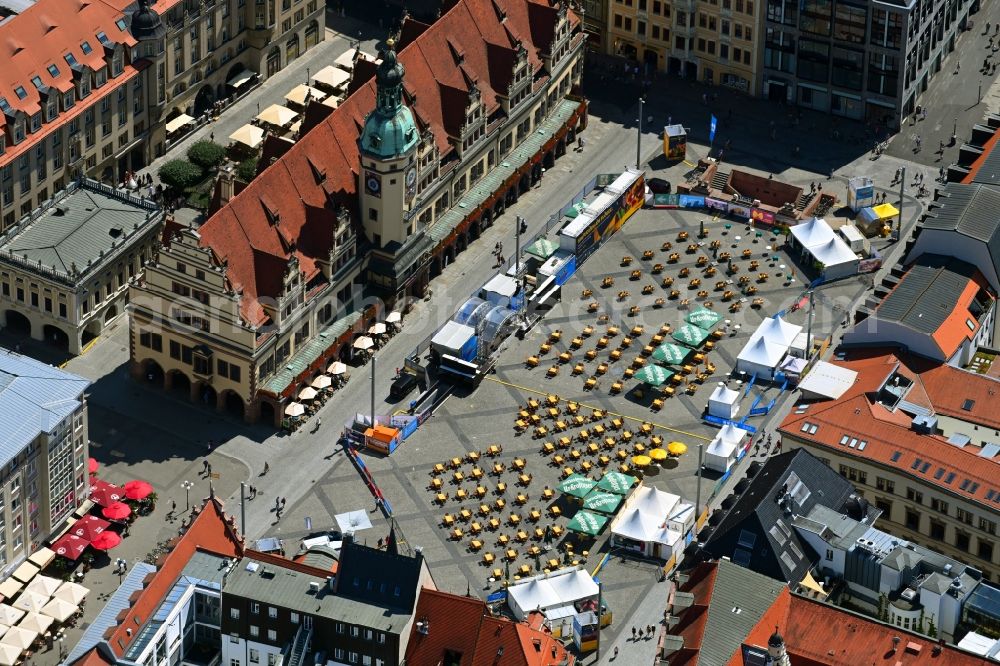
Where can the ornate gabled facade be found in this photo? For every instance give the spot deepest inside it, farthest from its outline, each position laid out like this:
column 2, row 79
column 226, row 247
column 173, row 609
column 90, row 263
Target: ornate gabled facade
column 460, row 118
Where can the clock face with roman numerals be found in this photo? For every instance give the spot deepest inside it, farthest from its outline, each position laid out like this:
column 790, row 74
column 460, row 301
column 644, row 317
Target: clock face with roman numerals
column 411, row 177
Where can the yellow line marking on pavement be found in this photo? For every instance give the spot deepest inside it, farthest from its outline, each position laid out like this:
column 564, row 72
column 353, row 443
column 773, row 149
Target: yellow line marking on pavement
column 87, row 347
column 606, row 411
column 690, row 164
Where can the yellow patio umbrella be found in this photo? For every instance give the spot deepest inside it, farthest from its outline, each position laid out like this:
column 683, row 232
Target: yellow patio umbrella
column 658, row 454
column 677, row 448
column 641, row 461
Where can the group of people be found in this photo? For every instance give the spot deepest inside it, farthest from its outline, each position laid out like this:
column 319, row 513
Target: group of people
column 498, row 253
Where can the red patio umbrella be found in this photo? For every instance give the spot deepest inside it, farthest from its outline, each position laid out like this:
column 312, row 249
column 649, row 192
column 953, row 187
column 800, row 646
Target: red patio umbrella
column 116, row 511
column 89, row 527
column 137, row 490
column 70, row 546
column 104, row 493
column 92, row 465
column 106, row 540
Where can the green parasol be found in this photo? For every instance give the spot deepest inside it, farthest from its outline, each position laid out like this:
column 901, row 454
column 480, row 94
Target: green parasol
column 670, row 353
column 543, row 248
column 616, row 482
column 598, row 500
column 577, row 485
column 703, row 318
column 653, row 375
column 587, row 523
column 692, row 336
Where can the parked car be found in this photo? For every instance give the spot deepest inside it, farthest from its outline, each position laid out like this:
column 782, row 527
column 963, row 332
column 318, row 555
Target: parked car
column 658, row 185
column 402, row 386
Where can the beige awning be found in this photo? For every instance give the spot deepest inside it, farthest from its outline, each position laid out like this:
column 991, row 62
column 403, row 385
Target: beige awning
column 72, row 592
column 58, row 609
column 299, row 93
column 277, row 115
column 10, row 615
column 42, row 557
column 25, row 572
column 295, row 126
column 10, row 587
column 241, row 79
column 331, row 77
column 44, row 585
column 19, row 637
column 30, row 601
column 178, row 122
column 248, row 135
column 36, row 622
column 333, row 102
column 345, row 60
column 9, row 655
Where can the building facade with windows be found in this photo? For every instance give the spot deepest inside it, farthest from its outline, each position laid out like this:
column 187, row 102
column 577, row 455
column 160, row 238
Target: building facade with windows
column 920, row 441
column 462, row 117
column 72, row 101
column 44, row 447
column 65, row 269
column 714, row 41
column 86, row 90
column 862, row 59
column 276, row 611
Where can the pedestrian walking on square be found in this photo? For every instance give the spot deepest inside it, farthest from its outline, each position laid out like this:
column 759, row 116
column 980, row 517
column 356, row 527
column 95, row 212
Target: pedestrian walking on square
column 633, row 633
column 283, row 500
column 267, row 468
column 277, row 504
column 616, row 653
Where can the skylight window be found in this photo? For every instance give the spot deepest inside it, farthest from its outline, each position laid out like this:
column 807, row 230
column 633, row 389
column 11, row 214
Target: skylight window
column 896, row 455
column 970, row 324
column 85, row 47
column 70, row 59
column 53, row 71
column 862, row 444
column 21, row 92
column 926, row 466
column 4, row 105
column 965, row 484
column 37, row 81
column 968, row 404
column 950, row 477
column 974, row 487
column 747, row 539
column 844, row 439
column 939, row 473
column 121, row 24
column 103, row 38
column 916, row 463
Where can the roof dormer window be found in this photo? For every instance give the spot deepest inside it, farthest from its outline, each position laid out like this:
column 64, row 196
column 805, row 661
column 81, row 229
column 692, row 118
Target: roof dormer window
column 121, row 24
column 37, row 82
column 103, row 39
column 4, row 105
column 53, row 71
column 21, row 92
column 70, row 60
column 85, row 47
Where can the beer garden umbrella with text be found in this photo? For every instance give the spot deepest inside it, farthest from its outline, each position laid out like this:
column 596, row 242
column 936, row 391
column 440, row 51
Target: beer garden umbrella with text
column 70, row 546
column 577, row 485
column 104, row 493
column 587, row 522
column 106, row 540
column 616, row 482
column 670, row 353
column 598, row 500
column 703, row 318
column 653, row 375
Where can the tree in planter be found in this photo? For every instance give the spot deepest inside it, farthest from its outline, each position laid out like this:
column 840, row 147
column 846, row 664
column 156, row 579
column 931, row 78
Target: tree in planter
column 206, row 154
column 179, row 175
column 247, row 169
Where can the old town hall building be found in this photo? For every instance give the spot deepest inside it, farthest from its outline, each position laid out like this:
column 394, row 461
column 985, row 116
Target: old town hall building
column 461, row 116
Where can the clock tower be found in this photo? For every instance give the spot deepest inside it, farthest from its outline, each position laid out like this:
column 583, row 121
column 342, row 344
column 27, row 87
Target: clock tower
column 388, row 146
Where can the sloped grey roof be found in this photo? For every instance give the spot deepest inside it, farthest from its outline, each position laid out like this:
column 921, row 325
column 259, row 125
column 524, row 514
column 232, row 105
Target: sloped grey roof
column 925, row 296
column 735, row 587
column 967, row 209
column 108, row 615
column 34, row 398
column 77, row 229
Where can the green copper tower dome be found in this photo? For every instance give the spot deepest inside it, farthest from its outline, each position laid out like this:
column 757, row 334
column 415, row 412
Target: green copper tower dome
column 389, row 130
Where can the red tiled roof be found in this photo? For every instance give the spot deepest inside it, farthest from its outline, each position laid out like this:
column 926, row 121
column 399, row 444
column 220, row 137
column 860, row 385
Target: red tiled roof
column 463, row 625
column 946, row 389
column 43, row 34
column 257, row 247
column 818, row 634
column 979, row 161
column 954, row 331
column 210, row 531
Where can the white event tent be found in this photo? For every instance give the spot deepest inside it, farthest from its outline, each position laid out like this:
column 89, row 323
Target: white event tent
column 653, row 523
column 767, row 347
column 724, row 449
column 832, row 256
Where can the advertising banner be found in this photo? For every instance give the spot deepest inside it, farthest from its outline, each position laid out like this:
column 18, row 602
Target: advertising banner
column 717, row 204
column 665, row 201
column 690, row 201
column 739, row 211
column 760, row 215
column 611, row 219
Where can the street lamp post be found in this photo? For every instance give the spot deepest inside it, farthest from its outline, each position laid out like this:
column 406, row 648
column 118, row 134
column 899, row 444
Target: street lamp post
column 187, row 486
column 307, row 76
column 62, row 647
column 120, row 567
column 638, row 137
